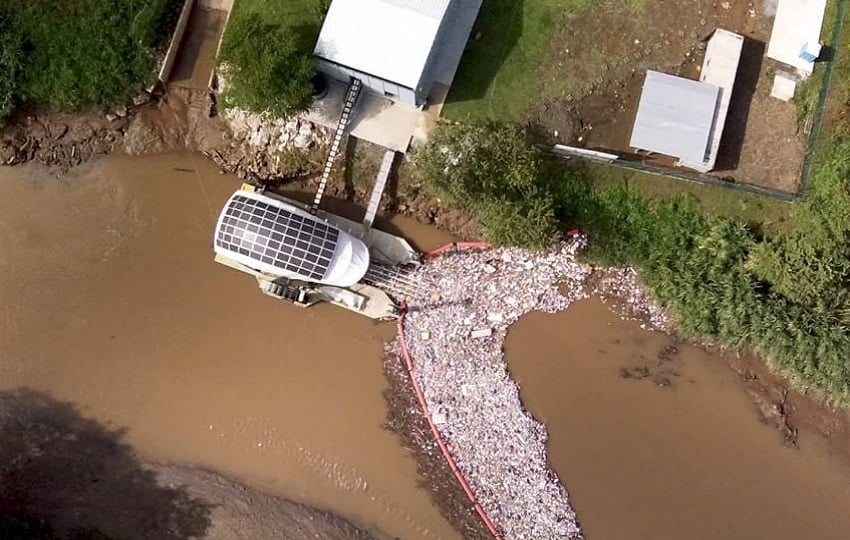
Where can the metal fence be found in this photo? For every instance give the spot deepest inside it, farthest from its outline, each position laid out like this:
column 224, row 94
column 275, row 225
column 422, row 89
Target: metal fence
column 823, row 97
column 679, row 174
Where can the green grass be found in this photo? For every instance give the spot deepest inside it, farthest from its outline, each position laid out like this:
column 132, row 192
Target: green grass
column 498, row 74
column 771, row 215
column 78, row 53
column 302, row 17
column 808, row 92
column 836, row 119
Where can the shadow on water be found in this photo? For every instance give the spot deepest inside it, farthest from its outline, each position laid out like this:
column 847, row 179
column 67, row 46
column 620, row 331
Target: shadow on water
column 749, row 71
column 350, row 210
column 500, row 24
column 65, row 476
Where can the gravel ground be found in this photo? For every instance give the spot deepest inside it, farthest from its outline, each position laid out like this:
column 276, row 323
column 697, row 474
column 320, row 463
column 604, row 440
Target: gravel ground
column 456, row 332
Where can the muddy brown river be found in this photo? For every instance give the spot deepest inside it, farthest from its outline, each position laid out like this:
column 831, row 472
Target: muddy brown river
column 109, row 299
column 688, row 460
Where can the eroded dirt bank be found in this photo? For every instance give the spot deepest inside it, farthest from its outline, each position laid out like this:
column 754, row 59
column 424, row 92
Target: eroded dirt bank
column 285, row 153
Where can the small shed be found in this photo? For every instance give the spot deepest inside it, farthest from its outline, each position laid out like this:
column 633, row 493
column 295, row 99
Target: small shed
column 675, row 117
column 683, row 118
column 795, row 39
column 397, row 48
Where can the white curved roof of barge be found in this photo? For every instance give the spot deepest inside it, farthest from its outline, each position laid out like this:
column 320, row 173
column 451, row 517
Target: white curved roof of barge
column 277, row 238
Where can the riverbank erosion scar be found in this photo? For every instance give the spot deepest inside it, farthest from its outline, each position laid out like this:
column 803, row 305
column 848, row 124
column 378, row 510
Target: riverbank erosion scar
column 455, row 334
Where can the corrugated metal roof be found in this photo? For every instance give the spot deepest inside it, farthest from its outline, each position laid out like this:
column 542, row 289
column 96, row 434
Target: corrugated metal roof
column 430, row 8
column 675, row 116
column 390, row 39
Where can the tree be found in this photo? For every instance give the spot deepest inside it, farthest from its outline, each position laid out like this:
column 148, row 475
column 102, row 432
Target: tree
column 266, row 71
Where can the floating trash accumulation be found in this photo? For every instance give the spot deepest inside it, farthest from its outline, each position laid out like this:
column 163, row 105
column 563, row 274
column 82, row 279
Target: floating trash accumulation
column 456, row 335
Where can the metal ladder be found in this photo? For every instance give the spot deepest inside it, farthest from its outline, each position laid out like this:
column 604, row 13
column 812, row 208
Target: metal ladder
column 378, row 188
column 350, row 99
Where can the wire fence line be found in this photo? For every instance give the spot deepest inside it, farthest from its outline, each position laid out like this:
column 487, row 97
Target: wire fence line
column 823, row 98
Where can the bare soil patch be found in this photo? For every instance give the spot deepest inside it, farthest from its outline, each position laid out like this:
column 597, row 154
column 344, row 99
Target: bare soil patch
column 595, row 69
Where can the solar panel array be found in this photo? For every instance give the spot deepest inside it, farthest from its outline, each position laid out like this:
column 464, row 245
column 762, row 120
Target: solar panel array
column 275, row 236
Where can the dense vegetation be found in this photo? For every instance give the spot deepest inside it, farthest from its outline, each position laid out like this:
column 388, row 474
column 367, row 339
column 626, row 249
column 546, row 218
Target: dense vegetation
column 76, row 53
column 268, row 65
column 492, row 171
column 785, row 296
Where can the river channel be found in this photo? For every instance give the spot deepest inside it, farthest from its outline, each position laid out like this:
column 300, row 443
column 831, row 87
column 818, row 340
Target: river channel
column 110, row 300
column 678, row 454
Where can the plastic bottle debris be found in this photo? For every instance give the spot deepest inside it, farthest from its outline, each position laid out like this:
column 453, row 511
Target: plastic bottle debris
column 498, row 446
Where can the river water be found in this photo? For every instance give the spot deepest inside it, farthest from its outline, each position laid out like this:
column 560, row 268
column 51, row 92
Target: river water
column 109, row 299
column 688, row 460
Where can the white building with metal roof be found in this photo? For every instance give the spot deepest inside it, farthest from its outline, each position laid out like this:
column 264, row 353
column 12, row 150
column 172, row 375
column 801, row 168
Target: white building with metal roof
column 397, row 48
column 675, row 117
column 684, row 118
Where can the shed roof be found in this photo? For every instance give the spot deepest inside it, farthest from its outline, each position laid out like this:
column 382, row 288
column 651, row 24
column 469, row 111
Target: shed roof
column 675, row 117
column 797, row 23
column 389, row 39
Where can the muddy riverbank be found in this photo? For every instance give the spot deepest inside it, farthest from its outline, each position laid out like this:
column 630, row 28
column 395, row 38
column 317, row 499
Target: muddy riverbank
column 287, row 154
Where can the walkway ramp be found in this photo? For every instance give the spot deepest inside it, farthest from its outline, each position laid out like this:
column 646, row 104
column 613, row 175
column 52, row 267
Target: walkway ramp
column 351, row 96
column 378, row 188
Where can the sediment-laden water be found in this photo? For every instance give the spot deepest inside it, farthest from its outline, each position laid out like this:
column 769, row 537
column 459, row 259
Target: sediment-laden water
column 109, row 299
column 658, row 440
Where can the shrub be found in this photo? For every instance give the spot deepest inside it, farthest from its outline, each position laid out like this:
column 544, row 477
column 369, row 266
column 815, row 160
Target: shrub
column 266, row 70
column 787, row 297
column 494, row 171
column 469, row 163
column 87, row 52
column 525, row 222
column 811, row 265
column 11, row 57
